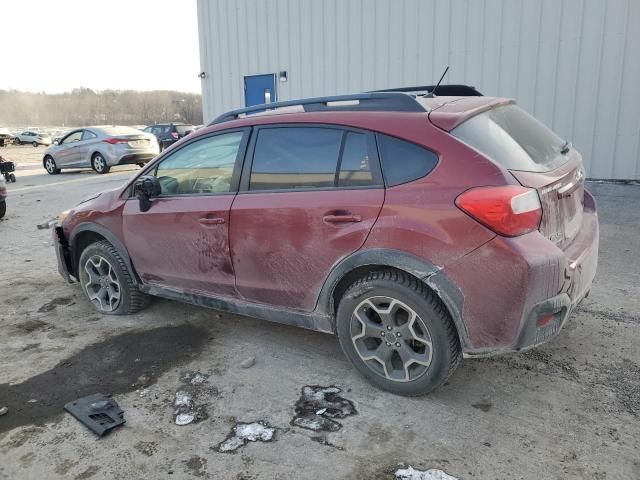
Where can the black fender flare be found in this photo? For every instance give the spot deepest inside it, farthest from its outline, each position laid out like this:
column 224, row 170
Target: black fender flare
column 109, row 236
column 430, row 274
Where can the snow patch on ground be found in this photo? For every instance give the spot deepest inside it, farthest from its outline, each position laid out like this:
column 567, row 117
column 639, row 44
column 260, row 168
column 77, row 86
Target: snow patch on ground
column 431, row 474
column 243, row 433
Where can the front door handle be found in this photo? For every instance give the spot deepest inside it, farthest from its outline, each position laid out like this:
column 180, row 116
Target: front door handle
column 342, row 218
column 208, row 221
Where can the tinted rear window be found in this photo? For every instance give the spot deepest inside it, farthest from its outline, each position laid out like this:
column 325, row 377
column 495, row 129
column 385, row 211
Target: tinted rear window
column 514, row 139
column 292, row 158
column 402, row 161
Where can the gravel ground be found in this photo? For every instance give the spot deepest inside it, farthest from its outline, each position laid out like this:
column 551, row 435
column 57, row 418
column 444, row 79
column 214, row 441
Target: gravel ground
column 569, row 409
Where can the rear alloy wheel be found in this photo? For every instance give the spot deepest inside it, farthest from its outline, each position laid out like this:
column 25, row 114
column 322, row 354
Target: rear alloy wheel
column 397, row 333
column 99, row 164
column 50, row 166
column 107, row 282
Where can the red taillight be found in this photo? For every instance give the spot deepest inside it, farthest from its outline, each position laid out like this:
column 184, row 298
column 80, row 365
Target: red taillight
column 509, row 210
column 175, row 135
column 115, row 140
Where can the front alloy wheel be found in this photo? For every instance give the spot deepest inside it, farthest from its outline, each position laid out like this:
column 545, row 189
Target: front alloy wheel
column 50, row 166
column 103, row 285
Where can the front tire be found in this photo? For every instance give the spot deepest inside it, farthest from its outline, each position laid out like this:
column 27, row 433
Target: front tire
column 3, row 208
column 107, row 282
column 99, row 164
column 35, row 144
column 50, row 166
column 397, row 333
column 18, row 141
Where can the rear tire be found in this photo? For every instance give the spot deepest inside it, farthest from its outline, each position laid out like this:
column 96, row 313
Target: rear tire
column 12, row 178
column 50, row 165
column 18, row 141
column 107, row 282
column 398, row 333
column 3, row 208
column 35, row 144
column 99, row 164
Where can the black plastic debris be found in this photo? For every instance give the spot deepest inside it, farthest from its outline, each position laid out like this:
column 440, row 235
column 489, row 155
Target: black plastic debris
column 318, row 407
column 98, row 412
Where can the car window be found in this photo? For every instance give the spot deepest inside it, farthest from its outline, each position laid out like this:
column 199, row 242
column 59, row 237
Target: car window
column 514, row 139
column 147, row 129
column 73, row 137
column 403, row 161
column 295, row 158
column 355, row 166
column 87, row 135
column 204, row 166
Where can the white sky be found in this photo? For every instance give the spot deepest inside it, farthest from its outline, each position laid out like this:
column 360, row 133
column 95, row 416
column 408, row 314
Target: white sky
column 57, row 45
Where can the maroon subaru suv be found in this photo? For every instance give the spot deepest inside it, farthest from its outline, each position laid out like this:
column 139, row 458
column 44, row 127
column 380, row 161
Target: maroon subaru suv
column 419, row 229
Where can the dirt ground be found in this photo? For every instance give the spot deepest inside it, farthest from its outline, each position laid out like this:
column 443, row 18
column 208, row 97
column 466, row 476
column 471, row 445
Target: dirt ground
column 570, row 409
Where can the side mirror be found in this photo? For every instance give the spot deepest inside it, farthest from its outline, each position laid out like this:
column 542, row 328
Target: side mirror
column 145, row 188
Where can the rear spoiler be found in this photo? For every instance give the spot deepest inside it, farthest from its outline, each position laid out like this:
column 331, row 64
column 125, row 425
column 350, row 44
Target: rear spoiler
column 455, row 90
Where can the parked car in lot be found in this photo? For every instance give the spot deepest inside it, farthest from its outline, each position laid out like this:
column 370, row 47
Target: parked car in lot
column 6, row 137
column 33, row 138
column 100, row 148
column 169, row 133
column 3, row 197
column 419, row 229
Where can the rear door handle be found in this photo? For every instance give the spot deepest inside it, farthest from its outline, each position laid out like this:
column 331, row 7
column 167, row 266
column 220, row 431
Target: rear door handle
column 346, row 218
column 208, row 221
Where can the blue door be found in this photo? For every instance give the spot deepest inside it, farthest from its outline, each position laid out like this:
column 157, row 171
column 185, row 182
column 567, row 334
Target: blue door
column 259, row 89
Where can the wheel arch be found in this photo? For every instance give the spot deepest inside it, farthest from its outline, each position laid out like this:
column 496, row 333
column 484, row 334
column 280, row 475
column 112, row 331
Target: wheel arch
column 360, row 263
column 86, row 233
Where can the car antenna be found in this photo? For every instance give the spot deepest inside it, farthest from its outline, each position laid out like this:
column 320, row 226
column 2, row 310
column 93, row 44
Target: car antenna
column 432, row 93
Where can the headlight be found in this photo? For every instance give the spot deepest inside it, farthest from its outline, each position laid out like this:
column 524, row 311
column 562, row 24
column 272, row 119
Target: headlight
column 63, row 215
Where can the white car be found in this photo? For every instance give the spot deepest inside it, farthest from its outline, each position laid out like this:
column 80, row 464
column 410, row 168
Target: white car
column 32, row 137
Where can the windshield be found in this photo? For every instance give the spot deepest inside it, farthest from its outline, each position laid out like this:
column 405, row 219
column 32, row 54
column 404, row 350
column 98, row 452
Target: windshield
column 514, row 139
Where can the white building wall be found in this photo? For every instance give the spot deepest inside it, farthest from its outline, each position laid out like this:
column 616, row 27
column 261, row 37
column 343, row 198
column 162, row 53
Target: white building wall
column 574, row 64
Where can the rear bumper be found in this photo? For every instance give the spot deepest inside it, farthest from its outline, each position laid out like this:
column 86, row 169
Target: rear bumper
column 63, row 253
column 135, row 158
column 519, row 292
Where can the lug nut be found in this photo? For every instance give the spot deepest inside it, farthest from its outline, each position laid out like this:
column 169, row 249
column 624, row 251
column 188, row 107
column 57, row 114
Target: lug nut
column 389, row 328
column 398, row 334
column 397, row 344
column 383, row 334
column 388, row 344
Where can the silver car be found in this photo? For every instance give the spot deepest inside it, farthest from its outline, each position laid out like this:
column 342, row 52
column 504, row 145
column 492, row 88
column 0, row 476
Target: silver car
column 100, row 148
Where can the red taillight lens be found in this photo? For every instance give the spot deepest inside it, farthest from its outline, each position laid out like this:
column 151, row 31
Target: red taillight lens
column 508, row 210
column 174, row 135
column 114, row 140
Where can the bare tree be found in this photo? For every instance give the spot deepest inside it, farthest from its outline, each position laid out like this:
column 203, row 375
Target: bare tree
column 83, row 106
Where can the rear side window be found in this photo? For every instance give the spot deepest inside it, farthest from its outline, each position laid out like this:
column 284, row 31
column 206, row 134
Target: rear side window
column 513, row 138
column 402, row 161
column 355, row 166
column 295, row 158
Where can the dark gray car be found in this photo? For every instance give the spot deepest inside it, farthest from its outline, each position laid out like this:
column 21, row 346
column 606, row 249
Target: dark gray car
column 100, row 148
